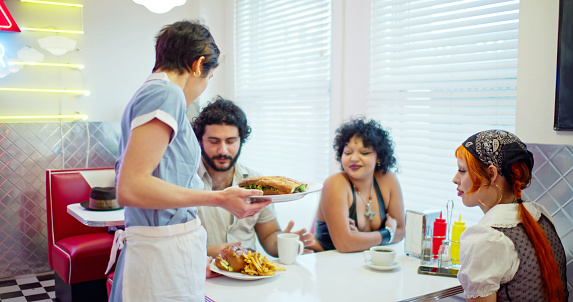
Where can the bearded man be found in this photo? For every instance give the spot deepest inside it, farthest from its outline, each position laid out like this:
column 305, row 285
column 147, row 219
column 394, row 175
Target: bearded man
column 222, row 130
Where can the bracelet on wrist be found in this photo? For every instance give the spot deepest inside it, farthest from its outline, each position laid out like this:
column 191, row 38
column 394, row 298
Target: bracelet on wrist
column 386, row 236
column 391, row 233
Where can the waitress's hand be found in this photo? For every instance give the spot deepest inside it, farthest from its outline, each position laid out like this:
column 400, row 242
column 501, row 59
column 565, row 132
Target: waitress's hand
column 210, row 273
column 391, row 223
column 215, row 250
column 236, row 202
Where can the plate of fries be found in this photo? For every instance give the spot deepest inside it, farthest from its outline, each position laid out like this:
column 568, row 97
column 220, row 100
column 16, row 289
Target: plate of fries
column 258, row 267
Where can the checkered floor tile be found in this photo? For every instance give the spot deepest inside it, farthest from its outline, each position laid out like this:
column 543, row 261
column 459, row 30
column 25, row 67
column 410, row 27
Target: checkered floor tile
column 36, row 288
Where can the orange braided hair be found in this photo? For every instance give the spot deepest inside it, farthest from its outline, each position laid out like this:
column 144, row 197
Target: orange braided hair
column 521, row 177
column 554, row 290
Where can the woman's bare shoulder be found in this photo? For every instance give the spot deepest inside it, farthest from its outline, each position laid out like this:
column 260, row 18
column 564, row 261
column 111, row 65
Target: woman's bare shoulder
column 335, row 194
column 336, row 179
column 389, row 176
column 336, row 185
column 388, row 181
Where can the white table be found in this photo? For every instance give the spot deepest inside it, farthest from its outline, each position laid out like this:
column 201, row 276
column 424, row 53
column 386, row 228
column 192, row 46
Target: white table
column 324, row 276
column 96, row 218
column 334, row 276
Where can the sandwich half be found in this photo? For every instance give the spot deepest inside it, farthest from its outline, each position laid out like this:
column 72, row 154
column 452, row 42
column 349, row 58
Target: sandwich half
column 273, row 185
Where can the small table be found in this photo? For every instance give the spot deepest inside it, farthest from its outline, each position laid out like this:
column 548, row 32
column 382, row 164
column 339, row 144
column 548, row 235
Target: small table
column 96, row 218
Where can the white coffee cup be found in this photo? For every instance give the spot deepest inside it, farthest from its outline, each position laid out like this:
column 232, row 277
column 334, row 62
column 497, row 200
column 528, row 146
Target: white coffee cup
column 289, row 247
column 380, row 255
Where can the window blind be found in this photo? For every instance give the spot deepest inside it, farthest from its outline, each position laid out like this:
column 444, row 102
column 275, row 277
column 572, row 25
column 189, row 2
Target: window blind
column 282, row 82
column 440, row 72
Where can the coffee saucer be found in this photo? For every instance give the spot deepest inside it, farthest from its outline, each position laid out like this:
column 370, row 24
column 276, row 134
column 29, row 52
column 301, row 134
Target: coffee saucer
column 382, row 267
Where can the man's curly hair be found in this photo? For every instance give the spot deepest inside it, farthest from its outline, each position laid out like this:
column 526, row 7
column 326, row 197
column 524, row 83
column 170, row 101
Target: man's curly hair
column 222, row 112
column 372, row 135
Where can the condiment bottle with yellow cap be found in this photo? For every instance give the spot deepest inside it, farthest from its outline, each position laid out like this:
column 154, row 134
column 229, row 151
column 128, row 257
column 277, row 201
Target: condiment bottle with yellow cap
column 457, row 230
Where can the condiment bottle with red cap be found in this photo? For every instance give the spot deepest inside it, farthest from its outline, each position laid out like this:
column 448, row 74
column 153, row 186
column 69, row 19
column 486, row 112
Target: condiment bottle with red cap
column 439, row 235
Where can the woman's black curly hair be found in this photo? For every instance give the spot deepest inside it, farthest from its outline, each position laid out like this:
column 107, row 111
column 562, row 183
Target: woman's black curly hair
column 372, row 135
column 222, row 112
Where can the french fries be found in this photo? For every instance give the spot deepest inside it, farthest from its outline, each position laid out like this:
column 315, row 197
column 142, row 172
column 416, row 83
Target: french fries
column 259, row 265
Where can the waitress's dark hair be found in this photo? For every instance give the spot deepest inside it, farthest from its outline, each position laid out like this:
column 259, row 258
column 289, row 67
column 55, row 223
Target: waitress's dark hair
column 180, row 44
column 372, row 135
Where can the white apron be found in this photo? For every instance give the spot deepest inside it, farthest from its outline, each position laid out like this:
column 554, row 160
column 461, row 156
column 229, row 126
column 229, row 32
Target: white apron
column 164, row 263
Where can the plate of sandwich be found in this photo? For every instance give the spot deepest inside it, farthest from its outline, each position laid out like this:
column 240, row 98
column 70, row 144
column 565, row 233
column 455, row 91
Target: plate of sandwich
column 278, row 188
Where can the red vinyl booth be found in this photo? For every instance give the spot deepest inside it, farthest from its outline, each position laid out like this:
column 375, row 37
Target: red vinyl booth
column 109, row 283
column 77, row 253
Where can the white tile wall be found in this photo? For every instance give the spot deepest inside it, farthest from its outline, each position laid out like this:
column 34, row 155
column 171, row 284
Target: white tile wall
column 552, row 186
column 26, row 151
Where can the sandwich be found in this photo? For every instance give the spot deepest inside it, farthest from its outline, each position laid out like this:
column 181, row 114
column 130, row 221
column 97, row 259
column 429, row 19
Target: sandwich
column 273, row 185
column 231, row 258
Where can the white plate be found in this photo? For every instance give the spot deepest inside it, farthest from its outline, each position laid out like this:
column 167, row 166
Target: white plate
column 311, row 187
column 236, row 275
column 381, row 267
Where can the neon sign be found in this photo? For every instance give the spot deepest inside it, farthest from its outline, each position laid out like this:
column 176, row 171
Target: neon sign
column 7, row 23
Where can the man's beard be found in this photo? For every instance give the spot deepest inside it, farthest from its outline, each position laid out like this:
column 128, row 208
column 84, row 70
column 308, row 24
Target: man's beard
column 211, row 161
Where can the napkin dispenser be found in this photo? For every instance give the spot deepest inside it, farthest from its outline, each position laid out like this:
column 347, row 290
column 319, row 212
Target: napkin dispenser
column 416, row 224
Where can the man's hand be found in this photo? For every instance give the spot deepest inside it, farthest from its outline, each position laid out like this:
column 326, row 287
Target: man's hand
column 306, row 238
column 236, row 202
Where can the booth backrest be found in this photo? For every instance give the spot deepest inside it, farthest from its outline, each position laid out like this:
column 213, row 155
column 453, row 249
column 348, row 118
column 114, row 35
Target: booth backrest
column 64, row 187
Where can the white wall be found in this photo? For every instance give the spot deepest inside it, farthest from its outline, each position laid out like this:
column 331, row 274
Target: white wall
column 117, row 50
column 350, row 60
column 536, row 73
column 218, row 16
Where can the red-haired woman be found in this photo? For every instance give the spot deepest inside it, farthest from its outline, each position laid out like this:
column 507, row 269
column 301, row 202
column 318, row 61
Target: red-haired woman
column 514, row 252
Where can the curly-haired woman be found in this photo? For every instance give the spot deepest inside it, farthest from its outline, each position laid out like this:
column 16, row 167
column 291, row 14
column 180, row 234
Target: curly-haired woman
column 361, row 206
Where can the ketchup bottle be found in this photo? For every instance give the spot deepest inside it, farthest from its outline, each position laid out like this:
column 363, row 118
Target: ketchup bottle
column 439, row 235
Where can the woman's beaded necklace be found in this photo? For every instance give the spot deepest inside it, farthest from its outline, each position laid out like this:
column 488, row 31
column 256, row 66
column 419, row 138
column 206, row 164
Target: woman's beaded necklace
column 369, row 213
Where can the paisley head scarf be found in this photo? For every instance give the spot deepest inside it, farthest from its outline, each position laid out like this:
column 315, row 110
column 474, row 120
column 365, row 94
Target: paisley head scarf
column 499, row 148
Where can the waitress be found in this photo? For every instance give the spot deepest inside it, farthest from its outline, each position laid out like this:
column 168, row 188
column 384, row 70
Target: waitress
column 163, row 252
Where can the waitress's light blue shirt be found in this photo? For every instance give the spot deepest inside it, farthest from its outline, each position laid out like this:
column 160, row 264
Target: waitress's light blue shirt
column 161, row 99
